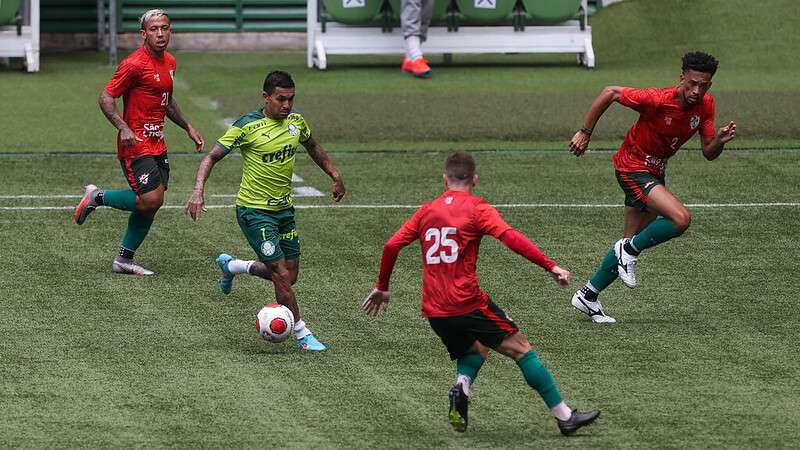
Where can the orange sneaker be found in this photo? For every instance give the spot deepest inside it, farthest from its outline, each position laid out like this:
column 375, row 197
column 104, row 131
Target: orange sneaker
column 418, row 67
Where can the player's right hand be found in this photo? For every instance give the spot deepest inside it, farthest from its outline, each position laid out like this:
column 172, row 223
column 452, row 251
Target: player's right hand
column 372, row 304
column 128, row 138
column 579, row 143
column 195, row 207
column 561, row 276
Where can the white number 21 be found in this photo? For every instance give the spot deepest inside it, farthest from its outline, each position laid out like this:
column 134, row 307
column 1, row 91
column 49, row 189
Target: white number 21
column 440, row 239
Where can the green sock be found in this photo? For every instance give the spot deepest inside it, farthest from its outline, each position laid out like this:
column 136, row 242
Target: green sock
column 124, row 199
column 469, row 365
column 660, row 230
column 606, row 273
column 138, row 226
column 539, row 378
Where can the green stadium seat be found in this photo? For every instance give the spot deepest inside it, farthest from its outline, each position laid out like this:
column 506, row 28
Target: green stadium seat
column 547, row 12
column 9, row 14
column 353, row 12
column 486, row 12
column 439, row 10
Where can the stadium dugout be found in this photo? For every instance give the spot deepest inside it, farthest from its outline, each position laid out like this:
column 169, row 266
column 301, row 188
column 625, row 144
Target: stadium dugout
column 361, row 27
column 19, row 31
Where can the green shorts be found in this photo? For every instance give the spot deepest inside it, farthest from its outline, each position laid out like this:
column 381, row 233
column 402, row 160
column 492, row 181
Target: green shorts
column 271, row 234
column 637, row 187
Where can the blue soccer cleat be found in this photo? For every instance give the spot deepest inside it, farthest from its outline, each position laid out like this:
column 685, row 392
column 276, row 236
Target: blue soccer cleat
column 310, row 344
column 226, row 280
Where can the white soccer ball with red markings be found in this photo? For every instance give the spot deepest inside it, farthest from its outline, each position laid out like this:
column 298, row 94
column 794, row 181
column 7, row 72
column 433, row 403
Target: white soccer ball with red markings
column 275, row 323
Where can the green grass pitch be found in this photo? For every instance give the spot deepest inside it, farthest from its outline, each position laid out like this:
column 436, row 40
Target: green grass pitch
column 704, row 354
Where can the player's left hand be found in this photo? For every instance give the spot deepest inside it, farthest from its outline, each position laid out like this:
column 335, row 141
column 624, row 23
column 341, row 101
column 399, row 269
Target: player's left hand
column 338, row 190
column 376, row 301
column 561, row 276
column 199, row 143
column 728, row 132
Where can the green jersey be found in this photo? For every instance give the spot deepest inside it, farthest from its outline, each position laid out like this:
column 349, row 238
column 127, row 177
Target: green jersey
column 268, row 147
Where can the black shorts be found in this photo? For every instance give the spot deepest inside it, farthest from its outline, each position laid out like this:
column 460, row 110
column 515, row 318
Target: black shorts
column 146, row 173
column 488, row 325
column 637, row 186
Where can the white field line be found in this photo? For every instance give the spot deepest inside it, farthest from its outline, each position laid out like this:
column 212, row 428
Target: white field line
column 399, row 206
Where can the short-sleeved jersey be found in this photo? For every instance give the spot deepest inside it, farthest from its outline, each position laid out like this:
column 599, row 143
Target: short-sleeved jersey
column 268, row 147
column 450, row 229
column 661, row 129
column 144, row 81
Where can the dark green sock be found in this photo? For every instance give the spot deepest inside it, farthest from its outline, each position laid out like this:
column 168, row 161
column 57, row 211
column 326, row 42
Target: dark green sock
column 659, row 231
column 124, row 199
column 539, row 378
column 606, row 273
column 138, row 226
column 469, row 365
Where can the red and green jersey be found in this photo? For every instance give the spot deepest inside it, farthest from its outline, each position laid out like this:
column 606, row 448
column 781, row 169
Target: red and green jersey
column 449, row 229
column 662, row 128
column 144, row 81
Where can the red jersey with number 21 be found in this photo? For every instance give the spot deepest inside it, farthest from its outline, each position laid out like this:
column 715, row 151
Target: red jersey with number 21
column 450, row 229
column 661, row 129
column 145, row 83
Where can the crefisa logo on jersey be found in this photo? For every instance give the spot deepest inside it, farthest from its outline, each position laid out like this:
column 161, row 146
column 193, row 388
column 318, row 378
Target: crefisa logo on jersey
column 694, row 122
column 267, row 248
column 292, row 129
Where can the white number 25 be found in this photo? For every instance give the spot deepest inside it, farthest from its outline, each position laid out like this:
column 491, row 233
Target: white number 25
column 440, row 239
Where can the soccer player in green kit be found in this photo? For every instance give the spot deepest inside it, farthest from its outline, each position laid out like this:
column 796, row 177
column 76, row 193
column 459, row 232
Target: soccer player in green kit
column 268, row 139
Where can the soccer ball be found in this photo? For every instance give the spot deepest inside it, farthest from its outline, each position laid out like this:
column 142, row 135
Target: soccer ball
column 275, row 323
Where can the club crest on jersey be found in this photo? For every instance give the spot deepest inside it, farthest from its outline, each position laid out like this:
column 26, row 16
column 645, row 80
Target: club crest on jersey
column 267, row 248
column 292, row 129
column 694, row 122
column 157, row 76
column 448, row 200
column 668, row 120
column 144, row 178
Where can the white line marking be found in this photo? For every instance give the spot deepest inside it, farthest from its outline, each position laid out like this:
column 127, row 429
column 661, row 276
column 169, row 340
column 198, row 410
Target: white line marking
column 397, row 206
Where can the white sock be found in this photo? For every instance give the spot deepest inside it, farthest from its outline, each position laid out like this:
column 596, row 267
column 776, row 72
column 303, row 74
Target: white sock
column 465, row 383
column 239, row 266
column 301, row 330
column 561, row 411
column 413, row 48
column 592, row 288
column 630, row 241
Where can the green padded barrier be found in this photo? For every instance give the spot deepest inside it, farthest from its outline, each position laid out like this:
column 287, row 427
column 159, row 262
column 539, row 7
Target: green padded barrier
column 551, row 11
column 8, row 11
column 353, row 12
column 486, row 12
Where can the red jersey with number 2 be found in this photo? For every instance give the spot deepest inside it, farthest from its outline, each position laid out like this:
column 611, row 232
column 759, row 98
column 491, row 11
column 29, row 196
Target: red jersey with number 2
column 661, row 129
column 450, row 229
column 144, row 82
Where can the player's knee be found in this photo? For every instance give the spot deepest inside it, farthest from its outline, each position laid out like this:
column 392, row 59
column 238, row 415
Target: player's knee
column 150, row 204
column 682, row 221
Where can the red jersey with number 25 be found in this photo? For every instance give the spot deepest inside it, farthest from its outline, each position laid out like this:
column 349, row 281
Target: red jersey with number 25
column 450, row 229
column 145, row 83
column 661, row 129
